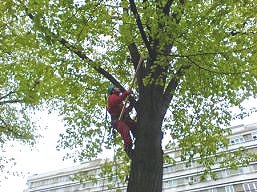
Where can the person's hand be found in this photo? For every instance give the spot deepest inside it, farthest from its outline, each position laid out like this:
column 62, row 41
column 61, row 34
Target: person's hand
column 130, row 91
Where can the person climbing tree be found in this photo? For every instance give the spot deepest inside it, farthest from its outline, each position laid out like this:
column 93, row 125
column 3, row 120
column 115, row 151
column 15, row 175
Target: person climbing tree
column 124, row 124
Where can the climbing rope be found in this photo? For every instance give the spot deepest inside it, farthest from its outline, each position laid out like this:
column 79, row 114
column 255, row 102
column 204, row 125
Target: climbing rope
column 114, row 162
column 131, row 86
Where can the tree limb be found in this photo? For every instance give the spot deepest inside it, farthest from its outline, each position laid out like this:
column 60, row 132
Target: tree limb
column 167, row 48
column 135, row 57
column 79, row 53
column 5, row 96
column 140, row 26
column 134, row 54
column 166, row 9
column 174, row 81
column 218, row 72
column 212, row 53
column 172, row 85
column 11, row 101
column 83, row 56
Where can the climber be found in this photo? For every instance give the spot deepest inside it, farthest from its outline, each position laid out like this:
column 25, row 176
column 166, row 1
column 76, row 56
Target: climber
column 125, row 124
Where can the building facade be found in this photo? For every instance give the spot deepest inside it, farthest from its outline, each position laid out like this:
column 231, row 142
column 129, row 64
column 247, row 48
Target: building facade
column 178, row 177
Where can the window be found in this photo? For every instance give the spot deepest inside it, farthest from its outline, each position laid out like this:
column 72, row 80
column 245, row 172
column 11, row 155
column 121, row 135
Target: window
column 236, row 140
column 212, row 190
column 180, row 166
column 249, row 169
column 234, row 171
column 193, row 179
column 229, row 188
column 168, row 169
column 248, row 137
column 238, row 187
column 180, row 182
column 254, row 136
column 225, row 173
column 248, row 187
column 190, row 164
column 170, row 183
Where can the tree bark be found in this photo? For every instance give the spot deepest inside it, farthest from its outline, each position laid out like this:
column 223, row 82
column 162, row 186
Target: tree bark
column 147, row 161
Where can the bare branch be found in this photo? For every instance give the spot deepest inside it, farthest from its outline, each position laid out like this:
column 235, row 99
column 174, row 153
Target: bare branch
column 11, row 101
column 8, row 94
column 166, row 8
column 212, row 53
column 134, row 54
column 215, row 71
column 234, row 32
column 80, row 54
column 83, row 56
column 140, row 26
column 3, row 122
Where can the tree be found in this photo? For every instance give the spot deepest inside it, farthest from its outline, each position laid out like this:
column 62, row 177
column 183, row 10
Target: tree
column 198, row 62
column 15, row 123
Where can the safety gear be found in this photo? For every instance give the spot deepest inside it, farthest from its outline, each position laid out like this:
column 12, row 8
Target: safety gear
column 115, row 104
column 110, row 89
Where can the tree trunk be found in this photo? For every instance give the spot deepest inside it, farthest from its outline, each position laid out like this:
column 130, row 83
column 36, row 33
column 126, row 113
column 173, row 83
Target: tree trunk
column 147, row 161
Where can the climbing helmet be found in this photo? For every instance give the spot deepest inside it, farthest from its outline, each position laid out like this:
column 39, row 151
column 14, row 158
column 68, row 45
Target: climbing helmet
column 110, row 89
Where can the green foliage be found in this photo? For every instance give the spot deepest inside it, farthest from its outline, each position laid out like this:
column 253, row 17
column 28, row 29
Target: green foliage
column 168, row 160
column 111, row 173
column 213, row 68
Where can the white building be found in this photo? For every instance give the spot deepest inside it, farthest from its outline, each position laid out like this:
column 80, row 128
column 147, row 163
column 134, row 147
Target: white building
column 186, row 176
column 180, row 177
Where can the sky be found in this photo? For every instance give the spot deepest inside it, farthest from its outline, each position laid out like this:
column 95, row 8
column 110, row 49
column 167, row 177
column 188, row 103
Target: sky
column 45, row 157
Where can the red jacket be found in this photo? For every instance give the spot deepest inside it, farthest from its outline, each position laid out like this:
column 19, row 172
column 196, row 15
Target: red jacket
column 115, row 104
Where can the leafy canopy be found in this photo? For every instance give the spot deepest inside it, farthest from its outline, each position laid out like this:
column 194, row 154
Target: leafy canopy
column 55, row 51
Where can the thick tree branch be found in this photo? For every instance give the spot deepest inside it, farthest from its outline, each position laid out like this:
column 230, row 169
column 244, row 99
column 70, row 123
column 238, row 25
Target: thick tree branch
column 166, row 9
column 83, row 56
column 135, row 57
column 134, row 54
column 80, row 54
column 140, row 26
